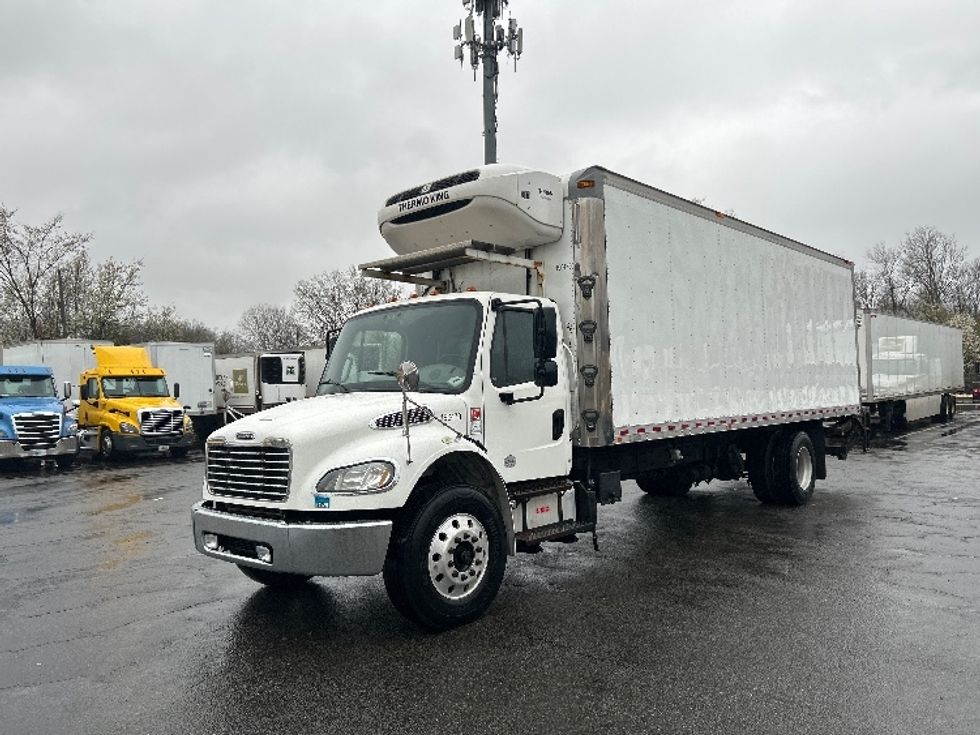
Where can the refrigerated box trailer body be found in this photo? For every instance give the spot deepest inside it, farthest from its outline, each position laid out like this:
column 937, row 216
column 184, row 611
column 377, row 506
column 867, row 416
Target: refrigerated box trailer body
column 909, row 369
column 250, row 382
column 681, row 320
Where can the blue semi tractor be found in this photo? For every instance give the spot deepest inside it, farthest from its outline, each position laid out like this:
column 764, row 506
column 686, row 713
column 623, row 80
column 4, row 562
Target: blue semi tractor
column 34, row 423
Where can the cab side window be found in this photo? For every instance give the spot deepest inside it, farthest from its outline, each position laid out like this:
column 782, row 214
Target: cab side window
column 92, row 389
column 512, row 352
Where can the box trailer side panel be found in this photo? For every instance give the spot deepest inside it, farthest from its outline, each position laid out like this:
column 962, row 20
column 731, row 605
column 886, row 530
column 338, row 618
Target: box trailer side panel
column 713, row 326
column 903, row 358
column 235, row 382
column 191, row 365
column 67, row 358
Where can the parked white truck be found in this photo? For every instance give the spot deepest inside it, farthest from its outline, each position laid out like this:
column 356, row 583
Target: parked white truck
column 588, row 329
column 249, row 382
column 910, row 370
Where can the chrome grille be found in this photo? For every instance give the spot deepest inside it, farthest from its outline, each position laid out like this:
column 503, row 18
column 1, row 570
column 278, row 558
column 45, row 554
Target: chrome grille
column 161, row 421
column 37, row 430
column 255, row 472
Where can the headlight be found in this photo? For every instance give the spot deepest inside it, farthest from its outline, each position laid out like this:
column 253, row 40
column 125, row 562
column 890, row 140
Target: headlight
column 370, row 477
column 188, row 424
column 127, row 428
column 71, row 429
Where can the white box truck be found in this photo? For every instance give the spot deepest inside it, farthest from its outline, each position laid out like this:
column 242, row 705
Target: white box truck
column 67, row 358
column 191, row 372
column 250, row 382
column 576, row 332
column 910, row 369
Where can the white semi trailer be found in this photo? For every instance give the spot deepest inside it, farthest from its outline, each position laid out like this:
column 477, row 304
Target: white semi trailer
column 910, row 370
column 250, row 382
column 577, row 331
column 67, row 358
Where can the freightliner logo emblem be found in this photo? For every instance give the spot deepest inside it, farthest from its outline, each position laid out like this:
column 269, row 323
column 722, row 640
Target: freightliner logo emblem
column 244, row 435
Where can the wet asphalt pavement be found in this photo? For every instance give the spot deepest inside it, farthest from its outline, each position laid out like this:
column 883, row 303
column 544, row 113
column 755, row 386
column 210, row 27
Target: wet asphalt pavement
column 859, row 613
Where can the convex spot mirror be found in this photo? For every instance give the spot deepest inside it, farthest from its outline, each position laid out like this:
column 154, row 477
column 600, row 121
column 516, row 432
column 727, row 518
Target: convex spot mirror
column 545, row 335
column 546, row 373
column 66, row 389
column 176, row 390
column 407, row 376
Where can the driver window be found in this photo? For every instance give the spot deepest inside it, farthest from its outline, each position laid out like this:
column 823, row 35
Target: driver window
column 93, row 389
column 512, row 352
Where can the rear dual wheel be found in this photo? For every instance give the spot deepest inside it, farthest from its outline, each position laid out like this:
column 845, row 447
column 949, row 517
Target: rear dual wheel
column 783, row 470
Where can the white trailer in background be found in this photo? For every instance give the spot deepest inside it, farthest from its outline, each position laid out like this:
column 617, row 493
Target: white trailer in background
column 910, row 369
column 250, row 382
column 67, row 358
column 579, row 331
column 190, row 365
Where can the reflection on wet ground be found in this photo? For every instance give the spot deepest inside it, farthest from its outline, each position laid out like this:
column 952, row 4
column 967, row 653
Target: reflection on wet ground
column 703, row 614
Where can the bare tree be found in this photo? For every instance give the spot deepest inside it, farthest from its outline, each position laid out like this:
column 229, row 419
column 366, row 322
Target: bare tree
column 887, row 288
column 270, row 327
column 967, row 288
column 931, row 263
column 232, row 341
column 29, row 257
column 327, row 300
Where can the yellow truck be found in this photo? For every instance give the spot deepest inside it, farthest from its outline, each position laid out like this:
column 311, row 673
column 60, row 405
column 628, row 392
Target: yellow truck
column 126, row 407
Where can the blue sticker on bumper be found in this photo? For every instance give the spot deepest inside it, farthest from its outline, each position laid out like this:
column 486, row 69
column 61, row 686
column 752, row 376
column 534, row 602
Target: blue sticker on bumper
column 321, row 501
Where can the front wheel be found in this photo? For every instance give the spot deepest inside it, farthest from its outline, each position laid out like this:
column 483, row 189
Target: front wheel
column 273, row 579
column 107, row 447
column 446, row 558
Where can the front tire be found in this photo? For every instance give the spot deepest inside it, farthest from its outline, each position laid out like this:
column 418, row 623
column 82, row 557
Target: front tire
column 64, row 461
column 281, row 580
column 446, row 558
column 107, row 446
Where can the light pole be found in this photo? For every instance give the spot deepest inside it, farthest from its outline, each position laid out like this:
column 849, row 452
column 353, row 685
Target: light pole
column 485, row 47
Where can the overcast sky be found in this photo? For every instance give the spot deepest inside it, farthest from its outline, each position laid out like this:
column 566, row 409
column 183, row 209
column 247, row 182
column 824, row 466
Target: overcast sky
column 236, row 147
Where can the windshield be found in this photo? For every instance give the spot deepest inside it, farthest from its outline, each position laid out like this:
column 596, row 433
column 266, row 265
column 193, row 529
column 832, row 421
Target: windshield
column 27, row 386
column 440, row 338
column 134, row 386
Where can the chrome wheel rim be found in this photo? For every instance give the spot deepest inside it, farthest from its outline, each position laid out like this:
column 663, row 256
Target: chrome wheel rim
column 459, row 553
column 804, row 468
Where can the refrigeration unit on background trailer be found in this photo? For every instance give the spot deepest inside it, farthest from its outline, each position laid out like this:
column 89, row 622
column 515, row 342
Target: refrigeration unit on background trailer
column 577, row 331
column 250, row 382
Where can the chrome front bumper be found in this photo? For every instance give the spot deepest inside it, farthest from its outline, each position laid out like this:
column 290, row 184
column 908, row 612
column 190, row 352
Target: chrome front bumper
column 10, row 449
column 315, row 549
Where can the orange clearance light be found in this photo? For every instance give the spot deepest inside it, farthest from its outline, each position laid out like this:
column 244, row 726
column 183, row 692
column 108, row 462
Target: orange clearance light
column 413, row 295
column 585, row 183
column 471, row 289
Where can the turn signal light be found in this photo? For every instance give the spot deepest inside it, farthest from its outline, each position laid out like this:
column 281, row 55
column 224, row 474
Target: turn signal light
column 585, row 183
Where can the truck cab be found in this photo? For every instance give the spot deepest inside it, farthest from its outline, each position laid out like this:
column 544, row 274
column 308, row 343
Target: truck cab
column 126, row 406
column 34, row 423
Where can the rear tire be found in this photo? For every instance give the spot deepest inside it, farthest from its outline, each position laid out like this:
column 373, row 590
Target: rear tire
column 760, row 468
column 281, row 580
column 794, row 464
column 446, row 558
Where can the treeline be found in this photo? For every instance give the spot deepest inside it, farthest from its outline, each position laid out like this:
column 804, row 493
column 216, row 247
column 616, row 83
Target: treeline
column 926, row 276
column 51, row 288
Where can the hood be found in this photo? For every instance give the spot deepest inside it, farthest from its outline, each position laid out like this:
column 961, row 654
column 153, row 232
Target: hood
column 10, row 406
column 132, row 406
column 339, row 413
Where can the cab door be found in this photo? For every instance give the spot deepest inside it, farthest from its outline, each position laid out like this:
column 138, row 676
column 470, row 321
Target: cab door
column 526, row 427
column 90, row 407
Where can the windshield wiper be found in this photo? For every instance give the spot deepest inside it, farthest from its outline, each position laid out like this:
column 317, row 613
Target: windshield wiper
column 328, row 381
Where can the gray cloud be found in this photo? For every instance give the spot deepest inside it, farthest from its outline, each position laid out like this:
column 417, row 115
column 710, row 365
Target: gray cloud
column 239, row 147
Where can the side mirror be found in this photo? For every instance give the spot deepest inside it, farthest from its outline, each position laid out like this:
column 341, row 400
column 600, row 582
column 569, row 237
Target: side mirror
column 546, row 373
column 545, row 335
column 66, row 389
column 83, row 391
column 176, row 390
column 407, row 376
